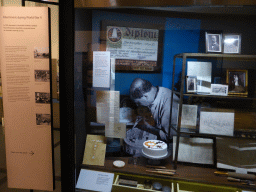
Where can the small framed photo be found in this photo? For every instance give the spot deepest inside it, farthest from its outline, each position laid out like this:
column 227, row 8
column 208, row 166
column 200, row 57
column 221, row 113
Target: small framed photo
column 191, row 84
column 219, row 89
column 232, row 43
column 213, row 42
column 237, row 81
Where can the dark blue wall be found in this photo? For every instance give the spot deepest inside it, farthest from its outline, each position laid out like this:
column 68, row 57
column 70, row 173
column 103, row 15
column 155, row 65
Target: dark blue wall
column 180, row 35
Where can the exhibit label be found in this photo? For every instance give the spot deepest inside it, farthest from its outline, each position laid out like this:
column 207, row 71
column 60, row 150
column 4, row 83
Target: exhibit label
column 25, row 70
column 95, row 180
column 101, row 69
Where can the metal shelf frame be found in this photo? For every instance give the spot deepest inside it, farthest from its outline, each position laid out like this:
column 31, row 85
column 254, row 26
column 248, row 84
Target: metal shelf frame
column 184, row 57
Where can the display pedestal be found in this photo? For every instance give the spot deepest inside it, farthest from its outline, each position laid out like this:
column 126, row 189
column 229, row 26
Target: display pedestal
column 156, row 161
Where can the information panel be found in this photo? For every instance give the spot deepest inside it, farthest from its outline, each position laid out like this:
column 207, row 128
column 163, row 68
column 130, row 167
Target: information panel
column 25, row 61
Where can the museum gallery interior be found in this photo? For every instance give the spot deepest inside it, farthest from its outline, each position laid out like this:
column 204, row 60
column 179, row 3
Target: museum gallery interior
column 128, row 96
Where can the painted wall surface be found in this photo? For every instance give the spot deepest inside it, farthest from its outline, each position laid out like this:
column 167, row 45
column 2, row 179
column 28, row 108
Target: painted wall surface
column 181, row 36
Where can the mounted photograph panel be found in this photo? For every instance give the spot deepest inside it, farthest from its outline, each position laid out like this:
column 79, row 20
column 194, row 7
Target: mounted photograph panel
column 134, row 46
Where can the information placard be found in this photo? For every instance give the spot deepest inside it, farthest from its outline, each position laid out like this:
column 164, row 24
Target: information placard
column 25, row 70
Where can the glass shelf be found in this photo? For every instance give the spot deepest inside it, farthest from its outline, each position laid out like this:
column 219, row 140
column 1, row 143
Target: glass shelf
column 246, row 134
column 237, row 97
column 210, row 55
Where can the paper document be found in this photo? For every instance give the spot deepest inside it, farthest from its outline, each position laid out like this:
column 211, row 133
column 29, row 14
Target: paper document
column 189, row 116
column 101, row 69
column 217, row 123
column 115, row 130
column 107, row 106
column 95, row 180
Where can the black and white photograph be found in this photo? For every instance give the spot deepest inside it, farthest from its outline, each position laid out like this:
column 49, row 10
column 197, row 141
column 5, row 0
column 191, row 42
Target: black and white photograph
column 237, row 81
column 43, row 119
column 42, row 75
column 231, row 43
column 41, row 53
column 213, row 42
column 191, row 84
column 219, row 89
column 153, row 115
column 43, row 98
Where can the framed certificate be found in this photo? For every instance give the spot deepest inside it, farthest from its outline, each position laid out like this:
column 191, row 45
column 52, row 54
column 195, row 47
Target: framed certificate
column 134, row 46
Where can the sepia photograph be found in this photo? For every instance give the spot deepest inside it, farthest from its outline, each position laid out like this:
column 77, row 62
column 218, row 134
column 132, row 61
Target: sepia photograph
column 213, row 42
column 41, row 53
column 43, row 119
column 191, row 84
column 237, row 81
column 43, row 98
column 42, row 75
column 231, row 43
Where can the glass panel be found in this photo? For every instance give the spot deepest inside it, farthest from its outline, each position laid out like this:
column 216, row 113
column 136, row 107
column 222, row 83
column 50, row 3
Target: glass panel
column 144, row 45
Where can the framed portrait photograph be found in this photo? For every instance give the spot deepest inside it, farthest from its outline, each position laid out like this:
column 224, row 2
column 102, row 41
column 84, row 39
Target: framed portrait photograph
column 213, row 42
column 232, row 43
column 191, row 82
column 237, row 81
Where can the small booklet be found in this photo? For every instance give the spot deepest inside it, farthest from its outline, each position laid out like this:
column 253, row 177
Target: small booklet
column 95, row 150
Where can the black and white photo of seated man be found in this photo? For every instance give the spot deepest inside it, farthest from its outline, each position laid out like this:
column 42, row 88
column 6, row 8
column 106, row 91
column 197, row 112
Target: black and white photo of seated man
column 214, row 43
column 158, row 102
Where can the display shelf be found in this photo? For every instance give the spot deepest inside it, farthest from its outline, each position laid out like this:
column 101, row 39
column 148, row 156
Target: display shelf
column 250, row 99
column 212, row 55
column 193, row 174
column 237, row 134
column 233, row 97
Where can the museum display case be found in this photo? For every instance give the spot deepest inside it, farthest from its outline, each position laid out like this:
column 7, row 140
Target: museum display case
column 112, row 47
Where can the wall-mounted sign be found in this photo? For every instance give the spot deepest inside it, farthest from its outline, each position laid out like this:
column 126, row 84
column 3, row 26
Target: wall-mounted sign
column 25, row 68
